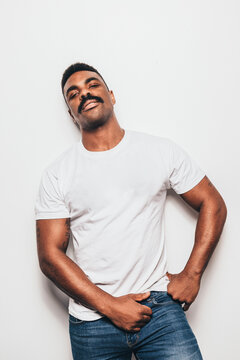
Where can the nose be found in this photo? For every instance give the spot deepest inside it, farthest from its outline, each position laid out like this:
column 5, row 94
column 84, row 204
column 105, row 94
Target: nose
column 84, row 94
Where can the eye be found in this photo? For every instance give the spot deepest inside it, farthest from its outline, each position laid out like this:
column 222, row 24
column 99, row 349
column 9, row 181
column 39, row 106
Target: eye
column 72, row 95
column 93, row 85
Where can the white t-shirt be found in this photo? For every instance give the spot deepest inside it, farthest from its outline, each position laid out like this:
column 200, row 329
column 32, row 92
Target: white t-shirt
column 115, row 200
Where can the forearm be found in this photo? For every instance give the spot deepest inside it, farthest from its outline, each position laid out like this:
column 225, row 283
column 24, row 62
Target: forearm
column 209, row 227
column 70, row 278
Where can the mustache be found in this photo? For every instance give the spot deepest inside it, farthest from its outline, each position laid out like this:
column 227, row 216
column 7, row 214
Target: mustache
column 89, row 97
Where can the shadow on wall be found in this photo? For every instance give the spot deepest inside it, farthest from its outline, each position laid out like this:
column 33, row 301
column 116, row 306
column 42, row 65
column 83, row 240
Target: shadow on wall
column 56, row 302
column 58, row 296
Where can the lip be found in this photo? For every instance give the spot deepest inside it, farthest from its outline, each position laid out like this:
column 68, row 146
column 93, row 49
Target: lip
column 90, row 104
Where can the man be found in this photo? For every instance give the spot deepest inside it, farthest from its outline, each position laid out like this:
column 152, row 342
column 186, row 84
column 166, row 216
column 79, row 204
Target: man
column 108, row 191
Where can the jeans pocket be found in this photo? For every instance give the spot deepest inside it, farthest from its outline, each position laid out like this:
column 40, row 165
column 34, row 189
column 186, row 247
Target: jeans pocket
column 163, row 298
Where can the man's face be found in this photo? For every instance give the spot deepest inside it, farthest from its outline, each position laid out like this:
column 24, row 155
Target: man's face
column 89, row 101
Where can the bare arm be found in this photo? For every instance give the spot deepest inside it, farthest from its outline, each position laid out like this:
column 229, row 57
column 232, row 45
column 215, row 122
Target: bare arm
column 53, row 240
column 52, row 243
column 212, row 215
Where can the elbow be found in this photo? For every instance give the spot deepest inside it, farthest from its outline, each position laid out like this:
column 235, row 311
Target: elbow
column 221, row 207
column 220, row 210
column 221, row 216
column 224, row 210
column 46, row 263
column 216, row 206
column 50, row 260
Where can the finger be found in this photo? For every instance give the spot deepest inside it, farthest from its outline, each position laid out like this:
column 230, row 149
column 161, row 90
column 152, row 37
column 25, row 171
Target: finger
column 145, row 319
column 141, row 323
column 186, row 306
column 168, row 275
column 169, row 292
column 140, row 296
column 146, row 310
column 136, row 329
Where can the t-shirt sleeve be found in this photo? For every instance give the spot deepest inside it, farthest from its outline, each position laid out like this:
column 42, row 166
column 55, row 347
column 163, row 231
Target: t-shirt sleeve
column 185, row 173
column 50, row 200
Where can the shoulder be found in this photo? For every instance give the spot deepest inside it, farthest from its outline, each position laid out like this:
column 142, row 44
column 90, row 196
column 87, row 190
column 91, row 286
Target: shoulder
column 63, row 161
column 151, row 140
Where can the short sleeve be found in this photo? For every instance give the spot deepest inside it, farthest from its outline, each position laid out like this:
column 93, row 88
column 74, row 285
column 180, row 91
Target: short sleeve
column 185, row 173
column 50, row 201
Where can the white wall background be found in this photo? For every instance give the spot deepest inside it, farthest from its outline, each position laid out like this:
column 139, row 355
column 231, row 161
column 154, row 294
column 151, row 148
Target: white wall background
column 174, row 69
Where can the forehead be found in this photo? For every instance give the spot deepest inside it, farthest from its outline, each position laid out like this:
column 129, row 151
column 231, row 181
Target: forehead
column 79, row 77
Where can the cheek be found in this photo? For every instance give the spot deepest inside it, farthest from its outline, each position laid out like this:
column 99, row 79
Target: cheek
column 108, row 101
column 74, row 107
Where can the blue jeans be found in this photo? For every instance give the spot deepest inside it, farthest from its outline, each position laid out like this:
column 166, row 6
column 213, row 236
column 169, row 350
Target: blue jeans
column 166, row 336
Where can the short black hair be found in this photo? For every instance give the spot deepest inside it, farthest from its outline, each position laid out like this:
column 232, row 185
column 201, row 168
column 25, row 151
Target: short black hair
column 78, row 67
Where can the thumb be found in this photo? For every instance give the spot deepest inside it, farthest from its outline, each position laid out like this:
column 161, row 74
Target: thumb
column 186, row 306
column 140, row 296
column 168, row 275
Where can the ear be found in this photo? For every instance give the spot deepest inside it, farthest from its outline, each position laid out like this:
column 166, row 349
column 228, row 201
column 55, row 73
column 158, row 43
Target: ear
column 69, row 111
column 112, row 97
column 75, row 122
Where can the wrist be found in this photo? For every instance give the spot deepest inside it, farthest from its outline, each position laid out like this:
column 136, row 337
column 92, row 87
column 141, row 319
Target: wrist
column 192, row 273
column 106, row 305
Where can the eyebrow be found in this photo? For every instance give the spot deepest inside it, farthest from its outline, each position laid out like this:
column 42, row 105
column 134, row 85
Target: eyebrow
column 75, row 87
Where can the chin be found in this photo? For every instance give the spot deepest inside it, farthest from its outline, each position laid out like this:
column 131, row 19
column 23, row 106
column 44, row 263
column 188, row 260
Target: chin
column 93, row 125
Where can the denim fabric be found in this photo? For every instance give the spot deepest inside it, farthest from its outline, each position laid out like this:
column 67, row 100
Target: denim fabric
column 166, row 336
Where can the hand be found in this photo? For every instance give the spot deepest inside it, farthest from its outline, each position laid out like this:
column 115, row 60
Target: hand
column 128, row 314
column 183, row 287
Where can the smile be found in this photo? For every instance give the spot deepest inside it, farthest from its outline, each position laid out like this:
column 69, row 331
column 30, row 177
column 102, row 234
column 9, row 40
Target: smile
column 90, row 105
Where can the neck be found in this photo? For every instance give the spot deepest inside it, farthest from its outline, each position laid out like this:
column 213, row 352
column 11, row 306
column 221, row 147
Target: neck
column 104, row 137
